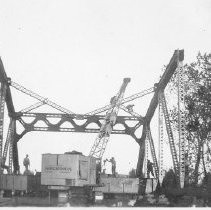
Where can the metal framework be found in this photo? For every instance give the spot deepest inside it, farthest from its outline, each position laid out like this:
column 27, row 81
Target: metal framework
column 170, row 134
column 109, row 121
column 152, row 148
column 181, row 122
column 161, row 140
column 159, row 88
column 146, row 156
column 74, row 125
column 88, row 118
column 2, row 102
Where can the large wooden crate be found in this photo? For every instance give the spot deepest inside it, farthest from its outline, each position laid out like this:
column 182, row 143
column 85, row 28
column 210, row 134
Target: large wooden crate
column 68, row 170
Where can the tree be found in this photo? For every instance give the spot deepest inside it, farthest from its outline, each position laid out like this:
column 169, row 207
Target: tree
column 197, row 77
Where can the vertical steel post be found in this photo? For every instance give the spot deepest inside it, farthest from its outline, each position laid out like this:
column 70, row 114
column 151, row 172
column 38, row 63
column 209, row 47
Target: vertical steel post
column 8, row 139
column 170, row 136
column 181, row 121
column 11, row 146
column 160, row 139
column 2, row 104
column 146, row 156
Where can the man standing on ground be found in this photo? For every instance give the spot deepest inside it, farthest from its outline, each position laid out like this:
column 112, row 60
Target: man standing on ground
column 26, row 162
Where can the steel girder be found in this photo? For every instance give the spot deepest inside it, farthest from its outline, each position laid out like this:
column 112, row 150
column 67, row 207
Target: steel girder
column 5, row 97
column 159, row 87
column 74, row 125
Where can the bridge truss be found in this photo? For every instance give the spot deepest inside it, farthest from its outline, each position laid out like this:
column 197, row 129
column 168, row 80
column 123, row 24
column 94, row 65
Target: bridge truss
column 81, row 122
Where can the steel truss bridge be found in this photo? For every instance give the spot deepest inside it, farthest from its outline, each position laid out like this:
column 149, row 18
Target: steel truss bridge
column 82, row 122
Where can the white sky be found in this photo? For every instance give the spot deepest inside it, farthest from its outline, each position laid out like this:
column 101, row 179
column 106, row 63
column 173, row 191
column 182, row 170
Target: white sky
column 76, row 53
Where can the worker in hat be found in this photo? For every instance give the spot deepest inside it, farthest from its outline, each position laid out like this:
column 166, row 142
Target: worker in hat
column 26, row 162
column 98, row 170
column 113, row 166
column 130, row 107
column 149, row 168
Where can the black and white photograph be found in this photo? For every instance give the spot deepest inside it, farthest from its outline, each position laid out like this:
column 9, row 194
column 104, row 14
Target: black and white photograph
column 105, row 103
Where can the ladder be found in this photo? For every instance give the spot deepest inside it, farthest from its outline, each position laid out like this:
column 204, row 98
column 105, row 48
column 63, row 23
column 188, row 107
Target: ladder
column 170, row 134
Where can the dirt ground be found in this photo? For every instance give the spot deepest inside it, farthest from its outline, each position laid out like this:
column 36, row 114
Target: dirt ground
column 26, row 201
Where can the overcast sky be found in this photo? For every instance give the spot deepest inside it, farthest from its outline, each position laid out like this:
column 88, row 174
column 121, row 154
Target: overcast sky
column 77, row 53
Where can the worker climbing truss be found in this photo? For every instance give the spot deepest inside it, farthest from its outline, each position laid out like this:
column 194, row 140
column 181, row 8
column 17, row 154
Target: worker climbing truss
column 152, row 148
column 105, row 122
column 124, row 100
column 109, row 121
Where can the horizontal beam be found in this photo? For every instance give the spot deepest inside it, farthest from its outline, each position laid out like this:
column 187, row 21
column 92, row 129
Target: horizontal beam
column 72, row 123
column 71, row 116
column 57, row 129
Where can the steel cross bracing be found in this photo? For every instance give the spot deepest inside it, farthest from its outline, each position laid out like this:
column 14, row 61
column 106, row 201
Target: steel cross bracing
column 152, row 148
column 181, row 122
column 109, row 121
column 40, row 98
column 124, row 100
column 170, row 134
column 161, row 140
column 32, row 107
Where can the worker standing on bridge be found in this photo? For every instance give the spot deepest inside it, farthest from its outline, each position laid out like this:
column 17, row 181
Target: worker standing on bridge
column 98, row 171
column 130, row 107
column 3, row 166
column 26, row 162
column 113, row 166
column 113, row 101
column 149, row 168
